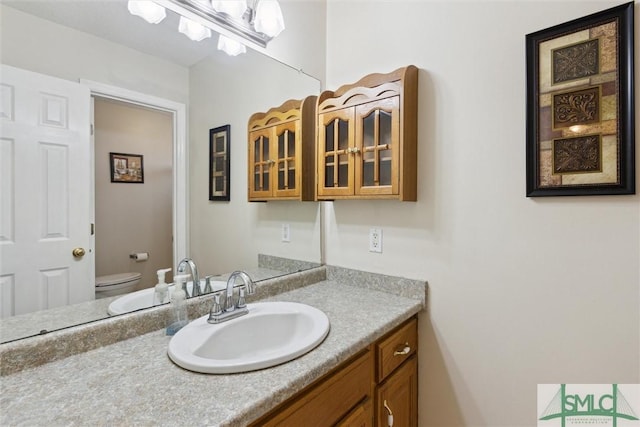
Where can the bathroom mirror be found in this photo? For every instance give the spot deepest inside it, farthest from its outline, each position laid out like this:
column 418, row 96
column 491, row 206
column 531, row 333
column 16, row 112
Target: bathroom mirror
column 222, row 90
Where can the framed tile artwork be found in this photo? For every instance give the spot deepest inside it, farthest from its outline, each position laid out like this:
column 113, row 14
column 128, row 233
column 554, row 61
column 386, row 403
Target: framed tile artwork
column 219, row 163
column 580, row 106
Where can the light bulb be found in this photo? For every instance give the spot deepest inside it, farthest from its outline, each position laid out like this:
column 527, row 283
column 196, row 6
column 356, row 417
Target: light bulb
column 147, row 10
column 230, row 46
column 269, row 20
column 233, row 8
column 193, row 30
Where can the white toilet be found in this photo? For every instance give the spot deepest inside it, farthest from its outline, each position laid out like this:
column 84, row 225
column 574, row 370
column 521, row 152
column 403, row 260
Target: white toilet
column 116, row 284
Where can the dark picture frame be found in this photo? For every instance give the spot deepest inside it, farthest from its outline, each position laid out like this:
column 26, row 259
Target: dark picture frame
column 219, row 163
column 580, row 106
column 126, row 168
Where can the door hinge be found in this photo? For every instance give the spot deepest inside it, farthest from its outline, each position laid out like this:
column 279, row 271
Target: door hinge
column 91, row 128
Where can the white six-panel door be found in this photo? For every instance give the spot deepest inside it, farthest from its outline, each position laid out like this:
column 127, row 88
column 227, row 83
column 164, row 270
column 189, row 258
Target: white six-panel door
column 45, row 210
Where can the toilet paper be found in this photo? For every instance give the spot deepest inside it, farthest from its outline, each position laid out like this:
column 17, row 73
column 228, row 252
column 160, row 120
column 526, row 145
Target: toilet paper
column 140, row 256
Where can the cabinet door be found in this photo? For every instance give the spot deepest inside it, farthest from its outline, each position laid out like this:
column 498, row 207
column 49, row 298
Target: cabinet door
column 287, row 167
column 335, row 153
column 377, row 160
column 327, row 402
column 398, row 396
column 260, row 163
column 361, row 416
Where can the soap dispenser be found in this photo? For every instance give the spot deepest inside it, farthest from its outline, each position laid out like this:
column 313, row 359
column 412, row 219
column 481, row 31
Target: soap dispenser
column 179, row 317
column 161, row 294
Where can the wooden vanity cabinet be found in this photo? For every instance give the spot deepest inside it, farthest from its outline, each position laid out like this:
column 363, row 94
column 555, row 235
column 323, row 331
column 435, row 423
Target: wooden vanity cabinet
column 330, row 400
column 397, row 377
column 362, row 391
column 367, row 138
column 282, row 152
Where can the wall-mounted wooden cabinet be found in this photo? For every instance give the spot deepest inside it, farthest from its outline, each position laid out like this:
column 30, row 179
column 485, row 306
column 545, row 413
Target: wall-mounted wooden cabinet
column 367, row 138
column 282, row 152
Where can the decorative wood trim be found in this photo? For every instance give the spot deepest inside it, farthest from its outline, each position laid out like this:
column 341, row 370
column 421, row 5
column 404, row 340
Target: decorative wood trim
column 372, row 80
column 359, row 95
column 288, row 111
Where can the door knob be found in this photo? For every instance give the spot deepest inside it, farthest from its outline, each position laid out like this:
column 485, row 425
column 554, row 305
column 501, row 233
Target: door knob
column 78, row 252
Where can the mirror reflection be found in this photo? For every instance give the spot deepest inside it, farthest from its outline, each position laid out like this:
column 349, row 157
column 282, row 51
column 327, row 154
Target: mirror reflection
column 135, row 232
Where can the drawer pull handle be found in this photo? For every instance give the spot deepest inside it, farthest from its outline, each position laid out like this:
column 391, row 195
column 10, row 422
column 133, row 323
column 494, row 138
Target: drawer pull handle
column 390, row 416
column 404, row 351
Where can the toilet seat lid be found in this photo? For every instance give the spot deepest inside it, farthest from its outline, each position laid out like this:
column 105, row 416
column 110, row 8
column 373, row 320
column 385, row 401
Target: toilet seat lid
column 113, row 279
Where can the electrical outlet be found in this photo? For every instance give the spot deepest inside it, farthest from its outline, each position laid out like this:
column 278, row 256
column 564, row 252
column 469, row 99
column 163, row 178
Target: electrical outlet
column 375, row 240
column 286, row 233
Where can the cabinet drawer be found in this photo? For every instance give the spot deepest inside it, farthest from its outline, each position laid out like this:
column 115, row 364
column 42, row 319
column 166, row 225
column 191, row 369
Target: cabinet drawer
column 396, row 348
column 327, row 402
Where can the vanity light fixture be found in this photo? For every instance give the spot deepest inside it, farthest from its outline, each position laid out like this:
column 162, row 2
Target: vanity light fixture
column 149, row 11
column 268, row 18
column 193, row 30
column 230, row 46
column 233, row 8
column 239, row 23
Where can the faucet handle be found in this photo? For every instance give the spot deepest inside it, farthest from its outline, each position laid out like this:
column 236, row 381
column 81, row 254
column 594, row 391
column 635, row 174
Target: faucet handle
column 241, row 302
column 216, row 309
column 195, row 289
column 207, row 285
column 228, row 302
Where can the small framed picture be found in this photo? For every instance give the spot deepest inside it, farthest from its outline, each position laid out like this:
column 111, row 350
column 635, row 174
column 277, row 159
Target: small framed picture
column 580, row 106
column 127, row 168
column 219, row 163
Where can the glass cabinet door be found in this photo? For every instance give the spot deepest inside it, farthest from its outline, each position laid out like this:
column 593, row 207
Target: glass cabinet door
column 335, row 153
column 261, row 163
column 287, row 160
column 377, row 147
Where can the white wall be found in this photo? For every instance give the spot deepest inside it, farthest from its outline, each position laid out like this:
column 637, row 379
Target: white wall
column 522, row 290
column 302, row 44
column 45, row 47
column 230, row 235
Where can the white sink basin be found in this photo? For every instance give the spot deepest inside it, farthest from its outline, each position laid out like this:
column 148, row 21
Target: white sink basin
column 144, row 298
column 270, row 334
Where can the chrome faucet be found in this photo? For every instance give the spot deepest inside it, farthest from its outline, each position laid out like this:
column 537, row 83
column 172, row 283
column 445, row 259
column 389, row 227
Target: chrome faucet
column 231, row 310
column 182, row 265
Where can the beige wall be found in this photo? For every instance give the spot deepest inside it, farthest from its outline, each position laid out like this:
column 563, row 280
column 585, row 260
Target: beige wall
column 224, row 90
column 229, row 235
column 302, row 44
column 45, row 47
column 133, row 217
column 522, row 290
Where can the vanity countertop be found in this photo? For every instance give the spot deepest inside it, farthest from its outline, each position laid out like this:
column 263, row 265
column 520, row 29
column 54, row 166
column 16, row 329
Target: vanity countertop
column 133, row 382
column 31, row 324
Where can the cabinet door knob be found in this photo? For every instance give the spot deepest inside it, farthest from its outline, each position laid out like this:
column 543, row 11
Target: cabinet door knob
column 404, row 351
column 389, row 415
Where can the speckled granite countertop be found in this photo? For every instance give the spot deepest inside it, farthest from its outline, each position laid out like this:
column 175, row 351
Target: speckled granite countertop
column 30, row 324
column 133, row 382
